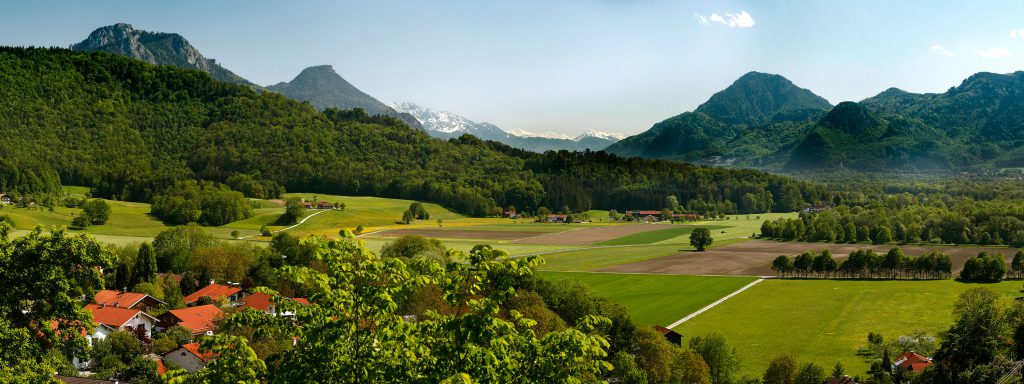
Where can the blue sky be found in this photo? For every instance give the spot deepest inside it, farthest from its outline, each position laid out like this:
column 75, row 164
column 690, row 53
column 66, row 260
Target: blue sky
column 569, row 65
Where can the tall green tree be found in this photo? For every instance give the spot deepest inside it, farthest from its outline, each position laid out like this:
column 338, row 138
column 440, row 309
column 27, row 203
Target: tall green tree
column 721, row 359
column 145, row 265
column 45, row 274
column 700, row 238
column 781, row 370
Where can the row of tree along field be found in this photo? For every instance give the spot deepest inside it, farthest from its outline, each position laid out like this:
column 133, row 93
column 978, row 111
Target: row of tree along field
column 866, row 264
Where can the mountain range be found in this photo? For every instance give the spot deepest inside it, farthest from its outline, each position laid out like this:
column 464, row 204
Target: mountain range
column 324, row 88
column 765, row 121
column 447, row 125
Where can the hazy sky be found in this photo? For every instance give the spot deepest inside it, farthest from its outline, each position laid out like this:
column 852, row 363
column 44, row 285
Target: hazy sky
column 568, row 66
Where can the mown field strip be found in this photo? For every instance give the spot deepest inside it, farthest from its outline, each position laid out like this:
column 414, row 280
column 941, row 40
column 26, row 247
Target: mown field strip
column 712, row 305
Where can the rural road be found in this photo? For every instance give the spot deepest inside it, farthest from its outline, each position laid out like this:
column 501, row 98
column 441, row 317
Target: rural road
column 712, row 305
column 293, row 226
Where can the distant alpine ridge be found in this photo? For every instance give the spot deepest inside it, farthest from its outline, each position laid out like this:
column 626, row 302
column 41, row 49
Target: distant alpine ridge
column 446, row 125
column 155, row 48
column 765, row 121
column 318, row 85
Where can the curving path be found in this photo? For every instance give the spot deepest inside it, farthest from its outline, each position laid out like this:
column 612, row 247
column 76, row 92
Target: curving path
column 287, row 228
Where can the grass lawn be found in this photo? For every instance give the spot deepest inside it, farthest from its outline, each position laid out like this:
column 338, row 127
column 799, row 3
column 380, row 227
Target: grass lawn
column 827, row 321
column 657, row 299
column 591, row 259
column 661, row 235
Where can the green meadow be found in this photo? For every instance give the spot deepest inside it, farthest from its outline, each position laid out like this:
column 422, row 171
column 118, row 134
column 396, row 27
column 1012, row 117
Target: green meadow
column 656, row 299
column 826, row 321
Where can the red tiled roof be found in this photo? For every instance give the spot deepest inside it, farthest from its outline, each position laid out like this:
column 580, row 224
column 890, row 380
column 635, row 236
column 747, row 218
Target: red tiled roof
column 198, row 319
column 213, row 291
column 161, row 369
column 662, row 330
column 915, row 362
column 113, row 317
column 261, row 301
column 119, row 299
column 194, row 349
column 646, row 212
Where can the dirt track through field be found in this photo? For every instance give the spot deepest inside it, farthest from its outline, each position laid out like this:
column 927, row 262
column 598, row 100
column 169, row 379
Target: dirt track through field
column 754, row 258
column 591, row 235
column 458, row 234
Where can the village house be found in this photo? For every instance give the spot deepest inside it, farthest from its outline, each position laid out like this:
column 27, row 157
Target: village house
column 324, row 205
column 200, row 320
column 911, row 362
column 127, row 300
column 511, row 214
column 6, row 199
column 262, row 302
column 110, row 319
column 216, row 292
column 188, row 357
column 307, row 204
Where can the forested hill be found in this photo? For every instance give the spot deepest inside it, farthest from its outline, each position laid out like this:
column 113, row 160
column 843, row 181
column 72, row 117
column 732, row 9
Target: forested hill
column 755, row 99
column 130, row 129
column 974, row 126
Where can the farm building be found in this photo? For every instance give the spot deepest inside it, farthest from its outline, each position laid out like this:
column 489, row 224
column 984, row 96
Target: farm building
column 557, row 218
column 324, row 205
column 6, row 199
column 670, row 335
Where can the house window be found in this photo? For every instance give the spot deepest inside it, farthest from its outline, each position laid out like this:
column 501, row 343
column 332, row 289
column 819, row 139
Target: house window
column 183, row 353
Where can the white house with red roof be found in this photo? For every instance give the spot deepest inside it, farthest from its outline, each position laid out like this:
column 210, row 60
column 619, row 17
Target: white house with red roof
column 188, row 357
column 216, row 292
column 912, row 362
column 201, row 320
column 125, row 299
column 263, row 302
column 110, row 319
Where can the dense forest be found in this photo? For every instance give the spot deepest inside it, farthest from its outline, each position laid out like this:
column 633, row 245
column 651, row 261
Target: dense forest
column 131, row 131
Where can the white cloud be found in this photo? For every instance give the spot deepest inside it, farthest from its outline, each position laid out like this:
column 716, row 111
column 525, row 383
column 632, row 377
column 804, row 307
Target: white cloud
column 995, row 53
column 1017, row 34
column 941, row 50
column 731, row 20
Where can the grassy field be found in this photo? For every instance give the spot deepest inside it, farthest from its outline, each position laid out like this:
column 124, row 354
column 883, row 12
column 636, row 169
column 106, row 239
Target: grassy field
column 680, row 233
column 827, row 321
column 591, row 259
column 657, row 299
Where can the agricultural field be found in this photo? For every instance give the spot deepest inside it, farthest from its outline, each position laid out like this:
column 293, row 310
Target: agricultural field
column 826, row 321
column 656, row 299
column 754, row 258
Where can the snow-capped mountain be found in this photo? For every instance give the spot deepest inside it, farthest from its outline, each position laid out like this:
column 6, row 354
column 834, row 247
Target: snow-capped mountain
column 446, row 125
column 600, row 135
